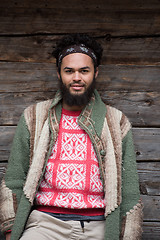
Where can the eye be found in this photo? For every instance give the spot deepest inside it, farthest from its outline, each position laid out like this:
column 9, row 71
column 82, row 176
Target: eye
column 68, row 70
column 84, row 71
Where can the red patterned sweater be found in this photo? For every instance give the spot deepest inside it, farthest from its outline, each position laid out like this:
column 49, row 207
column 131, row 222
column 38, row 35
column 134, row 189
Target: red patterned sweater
column 71, row 183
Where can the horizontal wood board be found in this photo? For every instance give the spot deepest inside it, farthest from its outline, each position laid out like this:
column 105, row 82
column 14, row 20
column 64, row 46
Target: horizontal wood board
column 38, row 48
column 94, row 18
column 43, row 77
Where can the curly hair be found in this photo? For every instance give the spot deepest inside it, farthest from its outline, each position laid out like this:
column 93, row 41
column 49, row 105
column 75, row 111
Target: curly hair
column 75, row 39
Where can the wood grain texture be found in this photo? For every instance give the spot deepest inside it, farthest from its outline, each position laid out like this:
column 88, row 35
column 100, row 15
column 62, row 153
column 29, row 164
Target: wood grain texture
column 110, row 4
column 138, row 51
column 6, row 136
column 147, row 142
column 151, row 208
column 149, row 178
column 151, row 231
column 43, row 77
column 142, row 108
column 66, row 18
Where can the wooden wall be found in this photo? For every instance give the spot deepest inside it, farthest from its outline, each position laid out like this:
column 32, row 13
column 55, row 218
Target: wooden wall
column 129, row 75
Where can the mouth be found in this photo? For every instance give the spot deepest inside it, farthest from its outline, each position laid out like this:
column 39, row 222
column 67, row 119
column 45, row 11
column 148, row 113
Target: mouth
column 77, row 87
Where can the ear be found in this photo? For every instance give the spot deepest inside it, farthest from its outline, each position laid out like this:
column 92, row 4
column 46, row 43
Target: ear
column 96, row 73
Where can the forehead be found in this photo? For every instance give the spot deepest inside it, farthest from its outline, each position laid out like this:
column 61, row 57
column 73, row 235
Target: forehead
column 77, row 60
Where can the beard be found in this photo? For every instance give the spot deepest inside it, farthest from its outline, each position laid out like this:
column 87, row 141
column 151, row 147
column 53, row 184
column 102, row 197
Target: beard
column 76, row 100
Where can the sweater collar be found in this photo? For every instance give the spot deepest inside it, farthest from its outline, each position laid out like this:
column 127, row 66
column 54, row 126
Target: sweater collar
column 94, row 111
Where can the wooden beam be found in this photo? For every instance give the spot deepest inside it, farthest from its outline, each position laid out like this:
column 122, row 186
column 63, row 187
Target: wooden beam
column 43, row 77
column 149, row 178
column 129, row 78
column 61, row 18
column 110, row 5
column 142, row 108
column 6, row 136
column 138, row 51
column 151, row 208
column 151, row 231
column 147, row 143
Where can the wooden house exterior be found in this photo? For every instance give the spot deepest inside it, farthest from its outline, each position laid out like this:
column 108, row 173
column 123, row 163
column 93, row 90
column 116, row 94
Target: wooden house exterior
column 129, row 78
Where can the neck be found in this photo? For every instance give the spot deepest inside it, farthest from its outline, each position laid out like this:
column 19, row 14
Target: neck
column 72, row 108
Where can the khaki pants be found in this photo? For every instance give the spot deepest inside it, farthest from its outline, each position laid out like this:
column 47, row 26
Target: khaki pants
column 41, row 226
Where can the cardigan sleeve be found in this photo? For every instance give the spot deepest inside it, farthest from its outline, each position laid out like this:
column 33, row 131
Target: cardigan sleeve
column 131, row 207
column 14, row 178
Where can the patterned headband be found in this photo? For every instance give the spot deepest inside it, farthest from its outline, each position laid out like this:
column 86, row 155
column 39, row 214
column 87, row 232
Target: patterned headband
column 81, row 48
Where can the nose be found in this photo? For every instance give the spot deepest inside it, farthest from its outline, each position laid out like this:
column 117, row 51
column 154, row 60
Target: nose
column 77, row 76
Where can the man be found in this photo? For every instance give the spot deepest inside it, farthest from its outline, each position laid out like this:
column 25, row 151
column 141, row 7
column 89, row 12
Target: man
column 72, row 169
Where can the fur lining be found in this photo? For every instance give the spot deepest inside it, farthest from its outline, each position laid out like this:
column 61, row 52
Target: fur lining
column 111, row 171
column 38, row 161
column 113, row 119
column 125, row 125
column 112, row 140
column 7, row 207
column 35, row 115
column 41, row 116
column 133, row 223
column 30, row 117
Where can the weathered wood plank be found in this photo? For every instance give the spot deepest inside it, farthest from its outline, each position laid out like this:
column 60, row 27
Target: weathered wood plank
column 146, row 143
column 110, row 4
column 13, row 104
column 131, row 51
column 23, row 77
column 141, row 108
column 65, row 19
column 42, row 77
column 6, row 136
column 28, row 49
column 116, row 50
column 151, row 208
column 149, row 178
column 129, row 78
column 151, row 231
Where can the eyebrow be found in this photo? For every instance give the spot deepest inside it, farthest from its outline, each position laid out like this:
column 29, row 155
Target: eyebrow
column 86, row 67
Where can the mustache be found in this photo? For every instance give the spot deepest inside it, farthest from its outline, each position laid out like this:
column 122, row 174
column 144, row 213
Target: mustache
column 77, row 84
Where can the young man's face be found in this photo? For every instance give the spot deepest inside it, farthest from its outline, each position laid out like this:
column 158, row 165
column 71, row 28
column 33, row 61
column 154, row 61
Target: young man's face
column 77, row 73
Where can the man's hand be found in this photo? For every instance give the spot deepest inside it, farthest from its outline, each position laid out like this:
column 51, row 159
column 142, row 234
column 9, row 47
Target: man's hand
column 8, row 236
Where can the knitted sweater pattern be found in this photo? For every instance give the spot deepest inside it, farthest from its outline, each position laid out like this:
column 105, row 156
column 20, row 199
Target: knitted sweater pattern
column 110, row 133
column 72, row 177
